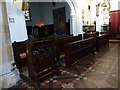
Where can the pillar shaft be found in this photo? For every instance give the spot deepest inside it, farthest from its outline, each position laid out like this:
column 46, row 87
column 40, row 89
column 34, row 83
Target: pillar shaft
column 73, row 25
column 9, row 74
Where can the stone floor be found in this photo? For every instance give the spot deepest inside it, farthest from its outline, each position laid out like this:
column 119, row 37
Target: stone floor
column 94, row 71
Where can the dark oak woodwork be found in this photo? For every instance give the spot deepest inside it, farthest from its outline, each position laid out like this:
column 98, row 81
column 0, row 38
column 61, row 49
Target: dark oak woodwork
column 60, row 42
column 42, row 55
column 41, row 58
column 88, row 35
column 19, row 51
column 101, row 40
column 76, row 50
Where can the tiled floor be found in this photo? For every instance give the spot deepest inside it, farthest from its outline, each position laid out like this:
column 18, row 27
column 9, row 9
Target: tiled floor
column 94, row 71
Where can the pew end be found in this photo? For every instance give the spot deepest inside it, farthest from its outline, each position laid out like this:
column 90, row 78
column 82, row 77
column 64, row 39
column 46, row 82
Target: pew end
column 19, row 52
column 42, row 62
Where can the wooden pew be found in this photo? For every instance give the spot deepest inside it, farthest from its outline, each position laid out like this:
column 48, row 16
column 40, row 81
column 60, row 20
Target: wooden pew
column 76, row 50
column 103, row 32
column 60, row 42
column 41, row 58
column 88, row 35
column 19, row 51
column 19, row 48
column 101, row 40
column 54, row 36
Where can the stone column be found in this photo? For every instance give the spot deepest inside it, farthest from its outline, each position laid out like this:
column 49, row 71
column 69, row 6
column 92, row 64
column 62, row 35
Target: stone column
column 98, row 24
column 9, row 74
column 72, row 24
column 99, row 20
column 79, row 28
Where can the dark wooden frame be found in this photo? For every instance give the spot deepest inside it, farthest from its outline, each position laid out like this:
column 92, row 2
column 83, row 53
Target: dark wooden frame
column 76, row 50
column 60, row 43
column 101, row 40
column 19, row 48
column 42, row 63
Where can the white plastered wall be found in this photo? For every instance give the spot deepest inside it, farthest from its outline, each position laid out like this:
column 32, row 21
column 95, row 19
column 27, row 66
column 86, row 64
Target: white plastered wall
column 114, row 5
column 76, row 17
column 17, row 28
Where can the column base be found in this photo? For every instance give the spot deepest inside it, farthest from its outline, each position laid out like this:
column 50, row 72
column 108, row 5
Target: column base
column 9, row 79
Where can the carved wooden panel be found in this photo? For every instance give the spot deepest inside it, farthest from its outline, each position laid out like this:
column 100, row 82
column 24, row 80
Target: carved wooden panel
column 41, row 58
column 76, row 50
column 102, row 40
column 19, row 51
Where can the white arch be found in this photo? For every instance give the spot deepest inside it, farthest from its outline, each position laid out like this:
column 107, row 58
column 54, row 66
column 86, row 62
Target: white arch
column 76, row 17
column 72, row 18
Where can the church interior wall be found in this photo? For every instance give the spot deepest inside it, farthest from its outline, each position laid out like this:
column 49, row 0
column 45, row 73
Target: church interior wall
column 42, row 12
column 16, row 22
column 114, row 5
